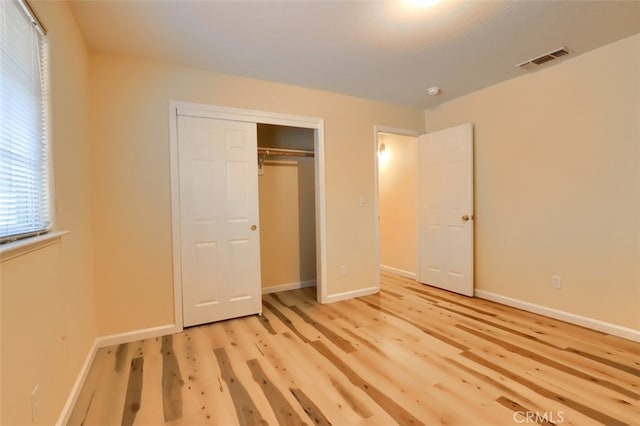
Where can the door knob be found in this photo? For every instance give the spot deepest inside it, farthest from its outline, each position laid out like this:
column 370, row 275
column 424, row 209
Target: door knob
column 254, row 227
column 466, row 217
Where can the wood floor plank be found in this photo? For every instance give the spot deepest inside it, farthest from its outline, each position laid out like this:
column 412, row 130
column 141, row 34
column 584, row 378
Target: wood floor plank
column 407, row 317
column 585, row 409
column 320, row 381
column 195, row 409
column 151, row 412
column 296, row 325
column 557, row 366
column 409, row 365
column 396, row 411
column 516, row 392
column 133, row 399
column 108, row 400
column 411, row 354
column 241, row 338
column 246, row 409
column 518, row 409
column 334, row 337
column 85, row 398
column 597, row 398
column 243, row 341
column 401, row 333
column 628, row 346
column 535, row 324
column 351, row 312
column 172, row 381
column 215, row 334
column 603, row 372
column 285, row 412
column 210, row 400
column 609, row 356
column 317, row 381
column 552, row 331
column 312, row 410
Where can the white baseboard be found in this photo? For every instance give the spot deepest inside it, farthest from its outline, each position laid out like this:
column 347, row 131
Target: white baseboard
column 290, row 286
column 63, row 419
column 351, row 294
column 401, row 272
column 605, row 327
column 132, row 336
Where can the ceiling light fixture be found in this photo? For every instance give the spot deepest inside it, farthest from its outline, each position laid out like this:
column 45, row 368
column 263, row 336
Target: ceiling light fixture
column 432, row 91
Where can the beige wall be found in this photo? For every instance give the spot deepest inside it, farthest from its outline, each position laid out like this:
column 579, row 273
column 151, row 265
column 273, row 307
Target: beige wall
column 397, row 192
column 47, row 302
column 132, row 181
column 558, row 183
column 287, row 225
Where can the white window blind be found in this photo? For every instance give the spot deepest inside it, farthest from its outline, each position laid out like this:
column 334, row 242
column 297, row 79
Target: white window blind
column 24, row 151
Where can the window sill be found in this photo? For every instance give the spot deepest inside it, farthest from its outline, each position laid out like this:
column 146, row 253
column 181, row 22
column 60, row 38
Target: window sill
column 18, row 248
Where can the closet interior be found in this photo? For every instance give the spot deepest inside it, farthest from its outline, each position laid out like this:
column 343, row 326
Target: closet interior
column 286, row 185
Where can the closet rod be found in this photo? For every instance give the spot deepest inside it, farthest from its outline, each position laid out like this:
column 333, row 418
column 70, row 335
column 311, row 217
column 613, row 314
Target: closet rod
column 284, row 151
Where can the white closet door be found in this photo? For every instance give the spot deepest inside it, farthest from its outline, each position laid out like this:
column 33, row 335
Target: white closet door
column 220, row 248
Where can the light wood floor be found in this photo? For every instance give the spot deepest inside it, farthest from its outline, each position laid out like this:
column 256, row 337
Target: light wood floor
column 410, row 355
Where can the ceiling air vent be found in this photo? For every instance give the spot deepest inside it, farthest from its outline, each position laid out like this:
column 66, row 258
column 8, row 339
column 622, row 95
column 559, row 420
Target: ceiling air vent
column 543, row 59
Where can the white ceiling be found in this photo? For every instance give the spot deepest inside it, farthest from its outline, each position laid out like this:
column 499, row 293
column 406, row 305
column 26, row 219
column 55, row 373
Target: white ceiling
column 382, row 50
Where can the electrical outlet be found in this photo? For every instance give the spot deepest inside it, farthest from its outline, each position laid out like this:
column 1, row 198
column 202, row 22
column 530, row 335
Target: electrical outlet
column 556, row 282
column 35, row 403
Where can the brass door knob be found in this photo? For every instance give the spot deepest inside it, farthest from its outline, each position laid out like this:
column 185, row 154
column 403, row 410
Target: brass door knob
column 466, row 217
column 254, row 227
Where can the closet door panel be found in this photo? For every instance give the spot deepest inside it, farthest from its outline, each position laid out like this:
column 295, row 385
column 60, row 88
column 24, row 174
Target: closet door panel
column 207, row 272
column 220, row 245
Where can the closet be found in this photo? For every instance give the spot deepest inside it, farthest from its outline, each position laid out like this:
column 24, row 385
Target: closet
column 286, row 188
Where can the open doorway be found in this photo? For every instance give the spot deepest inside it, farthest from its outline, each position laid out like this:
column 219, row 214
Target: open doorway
column 397, row 201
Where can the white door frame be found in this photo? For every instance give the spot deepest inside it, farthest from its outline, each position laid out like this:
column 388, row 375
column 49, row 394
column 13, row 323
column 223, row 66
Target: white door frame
column 377, row 129
column 252, row 116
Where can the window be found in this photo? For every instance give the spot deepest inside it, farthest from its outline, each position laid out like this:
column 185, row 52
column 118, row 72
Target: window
column 25, row 183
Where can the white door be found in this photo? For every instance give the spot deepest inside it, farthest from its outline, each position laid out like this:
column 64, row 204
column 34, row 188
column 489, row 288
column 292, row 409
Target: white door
column 220, row 245
column 445, row 185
